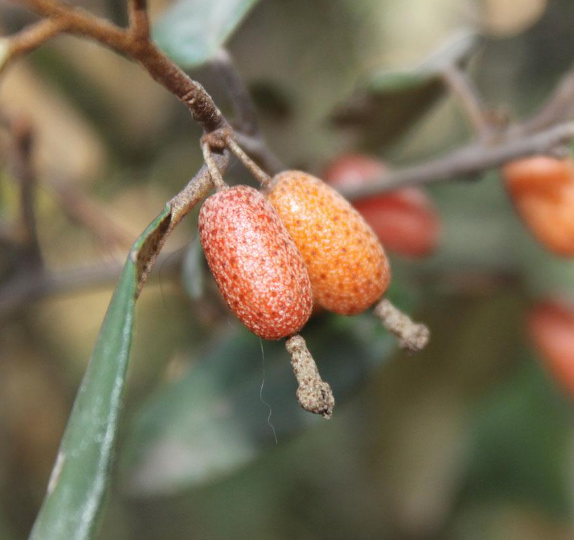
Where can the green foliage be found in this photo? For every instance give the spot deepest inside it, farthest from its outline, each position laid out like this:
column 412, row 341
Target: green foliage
column 214, row 419
column 521, row 446
column 81, row 474
column 192, row 31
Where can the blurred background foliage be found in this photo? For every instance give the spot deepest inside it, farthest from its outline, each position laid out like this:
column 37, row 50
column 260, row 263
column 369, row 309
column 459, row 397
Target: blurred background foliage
column 469, row 439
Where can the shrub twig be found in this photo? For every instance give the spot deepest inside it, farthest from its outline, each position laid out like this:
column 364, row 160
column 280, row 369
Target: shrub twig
column 471, row 159
column 134, row 43
column 461, row 86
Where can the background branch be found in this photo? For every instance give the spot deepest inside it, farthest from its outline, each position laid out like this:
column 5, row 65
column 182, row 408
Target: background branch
column 558, row 107
column 29, row 39
column 87, row 213
column 21, row 292
column 469, row 160
column 22, row 143
column 461, row 86
column 136, row 45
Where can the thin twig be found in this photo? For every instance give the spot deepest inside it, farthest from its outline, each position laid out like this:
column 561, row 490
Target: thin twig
column 22, row 134
column 262, row 177
column 24, row 290
column 558, row 107
column 80, row 23
column 469, row 160
column 84, row 211
column 214, row 172
column 461, row 86
column 29, row 39
column 139, row 20
column 180, row 205
column 257, row 149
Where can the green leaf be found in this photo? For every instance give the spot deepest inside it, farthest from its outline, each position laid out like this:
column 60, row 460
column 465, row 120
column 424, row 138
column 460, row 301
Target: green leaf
column 215, row 419
column 81, row 474
column 191, row 31
column 522, row 445
column 389, row 102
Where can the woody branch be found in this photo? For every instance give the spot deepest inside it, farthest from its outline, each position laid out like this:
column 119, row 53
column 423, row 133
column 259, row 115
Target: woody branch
column 133, row 42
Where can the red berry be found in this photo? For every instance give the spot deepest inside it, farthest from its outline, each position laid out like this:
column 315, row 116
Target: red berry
column 405, row 220
column 347, row 266
column 542, row 190
column 258, row 268
column 551, row 328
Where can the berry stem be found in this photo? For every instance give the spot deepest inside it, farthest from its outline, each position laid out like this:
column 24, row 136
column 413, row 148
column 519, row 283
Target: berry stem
column 313, row 394
column 412, row 336
column 468, row 96
column 262, row 177
column 216, row 177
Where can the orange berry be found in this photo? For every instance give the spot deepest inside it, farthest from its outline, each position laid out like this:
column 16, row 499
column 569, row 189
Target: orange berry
column 542, row 190
column 347, row 266
column 404, row 220
column 551, row 328
column 255, row 262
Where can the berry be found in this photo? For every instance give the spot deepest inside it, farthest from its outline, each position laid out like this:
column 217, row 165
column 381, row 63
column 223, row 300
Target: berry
column 255, row 263
column 347, row 266
column 542, row 190
column 551, row 328
column 404, row 220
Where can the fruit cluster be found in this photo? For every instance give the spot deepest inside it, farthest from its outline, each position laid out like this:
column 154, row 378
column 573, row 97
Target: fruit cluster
column 273, row 255
column 542, row 191
column 298, row 243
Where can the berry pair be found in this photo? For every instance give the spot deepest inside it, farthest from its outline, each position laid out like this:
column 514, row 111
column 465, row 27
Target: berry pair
column 272, row 255
column 275, row 254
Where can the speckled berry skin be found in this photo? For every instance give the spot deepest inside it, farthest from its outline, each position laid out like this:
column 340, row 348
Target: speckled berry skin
column 542, row 191
column 347, row 265
column 255, row 263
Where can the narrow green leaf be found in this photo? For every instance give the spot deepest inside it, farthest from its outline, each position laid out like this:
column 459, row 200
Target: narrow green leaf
column 215, row 419
column 81, row 474
column 191, row 31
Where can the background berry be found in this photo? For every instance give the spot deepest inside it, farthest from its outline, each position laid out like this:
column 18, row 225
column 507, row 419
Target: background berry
column 542, row 190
